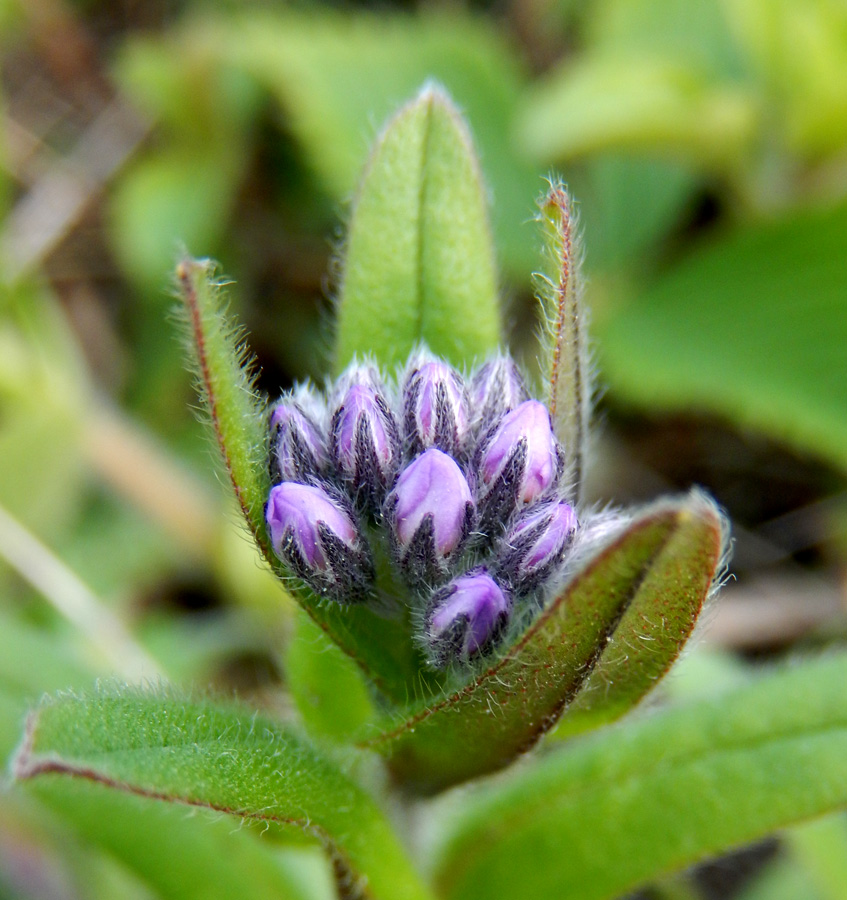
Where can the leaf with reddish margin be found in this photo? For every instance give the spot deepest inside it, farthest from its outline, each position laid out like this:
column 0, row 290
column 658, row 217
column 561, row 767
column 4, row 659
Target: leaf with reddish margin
column 382, row 647
column 230, row 760
column 652, row 580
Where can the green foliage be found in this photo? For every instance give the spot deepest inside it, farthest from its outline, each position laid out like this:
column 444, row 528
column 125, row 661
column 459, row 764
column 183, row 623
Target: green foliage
column 224, row 379
column 732, row 331
column 669, row 119
column 567, row 384
column 609, row 813
column 419, row 264
column 200, row 754
column 337, row 76
column 327, row 687
column 643, row 592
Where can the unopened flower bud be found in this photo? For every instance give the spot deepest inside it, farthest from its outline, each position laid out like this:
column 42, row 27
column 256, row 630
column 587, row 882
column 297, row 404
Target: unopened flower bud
column 298, row 448
column 518, row 461
column 316, row 535
column 497, row 388
column 534, row 547
column 364, row 439
column 431, row 514
column 465, row 618
column 435, row 409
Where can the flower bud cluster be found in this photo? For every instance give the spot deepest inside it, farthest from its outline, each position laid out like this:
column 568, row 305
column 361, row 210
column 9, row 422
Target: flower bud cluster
column 454, row 483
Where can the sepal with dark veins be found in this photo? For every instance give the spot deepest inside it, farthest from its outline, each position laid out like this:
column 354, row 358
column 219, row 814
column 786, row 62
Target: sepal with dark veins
column 315, row 533
column 430, row 515
column 435, row 409
column 533, row 550
column 365, row 440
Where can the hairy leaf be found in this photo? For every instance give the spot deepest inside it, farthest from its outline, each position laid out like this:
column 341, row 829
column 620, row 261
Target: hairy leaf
column 608, row 813
column 419, row 263
column 649, row 582
column 565, row 361
column 202, row 755
column 381, row 646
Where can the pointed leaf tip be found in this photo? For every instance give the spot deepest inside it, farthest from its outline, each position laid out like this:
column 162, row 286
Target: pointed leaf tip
column 564, row 335
column 643, row 587
column 419, row 262
column 224, row 372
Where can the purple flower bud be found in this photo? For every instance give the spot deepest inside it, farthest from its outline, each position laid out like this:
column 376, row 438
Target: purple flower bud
column 431, row 515
column 497, row 388
column 518, row 461
column 534, row 547
column 317, row 537
column 298, row 449
column 364, row 438
column 465, row 618
column 435, row 408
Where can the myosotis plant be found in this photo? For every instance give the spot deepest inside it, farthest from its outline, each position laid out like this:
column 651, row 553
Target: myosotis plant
column 424, row 508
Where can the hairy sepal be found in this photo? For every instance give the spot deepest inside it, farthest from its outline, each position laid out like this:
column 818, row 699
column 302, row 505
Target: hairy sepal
column 653, row 575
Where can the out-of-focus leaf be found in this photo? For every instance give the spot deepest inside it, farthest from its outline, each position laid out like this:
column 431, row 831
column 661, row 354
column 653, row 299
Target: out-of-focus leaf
column 752, row 326
column 821, row 848
column 181, row 196
column 695, row 32
column 381, row 646
column 647, row 586
column 627, row 205
column 608, row 813
column 199, row 754
column 32, row 662
column 419, row 264
column 43, row 392
column 338, row 77
column 798, row 53
column 608, row 103
column 182, row 193
column 325, row 684
column 783, row 879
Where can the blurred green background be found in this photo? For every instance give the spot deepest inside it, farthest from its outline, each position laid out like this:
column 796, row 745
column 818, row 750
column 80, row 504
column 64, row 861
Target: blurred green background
column 706, row 145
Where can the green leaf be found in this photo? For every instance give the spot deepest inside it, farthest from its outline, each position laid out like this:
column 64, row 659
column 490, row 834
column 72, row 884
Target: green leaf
column 201, row 755
column 182, row 195
column 44, row 391
column 608, row 813
column 628, row 206
column 821, row 848
column 647, row 585
column 224, row 372
column 641, row 103
column 419, row 263
column 178, row 857
column 337, row 76
column 381, row 646
column 325, row 684
column 751, row 326
column 564, row 340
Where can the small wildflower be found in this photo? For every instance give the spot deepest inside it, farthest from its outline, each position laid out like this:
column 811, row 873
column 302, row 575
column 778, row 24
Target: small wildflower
column 435, row 409
column 535, row 546
column 298, row 448
column 465, row 618
column 496, row 389
column 518, row 461
column 364, row 438
column 318, row 538
column 468, row 496
column 431, row 513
